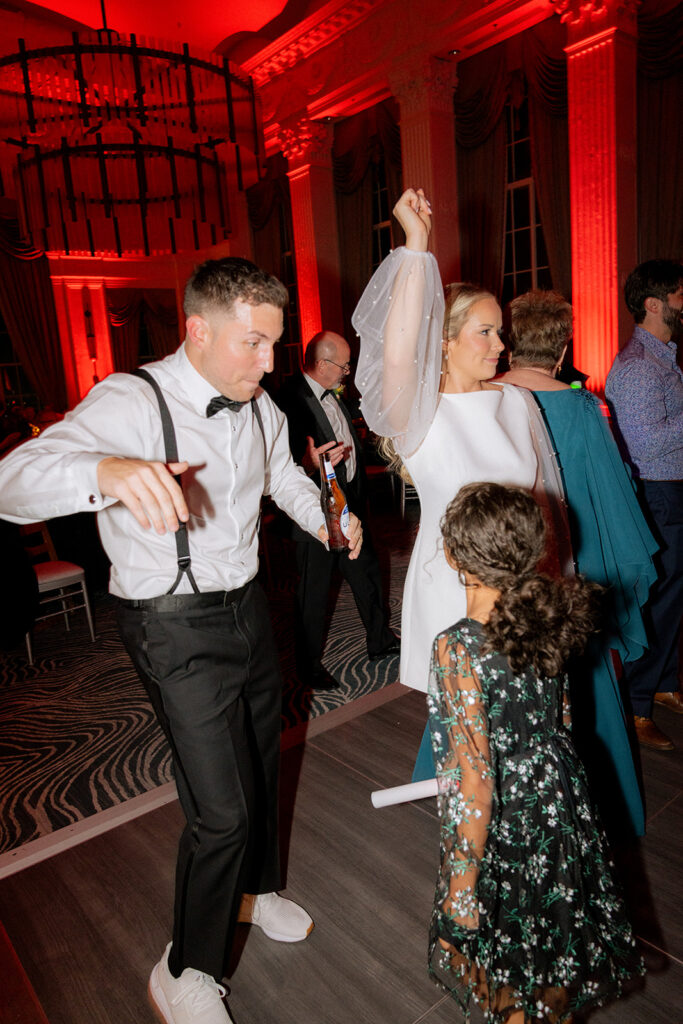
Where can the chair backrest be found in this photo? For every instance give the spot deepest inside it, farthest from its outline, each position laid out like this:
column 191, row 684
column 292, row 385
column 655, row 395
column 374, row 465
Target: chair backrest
column 38, row 543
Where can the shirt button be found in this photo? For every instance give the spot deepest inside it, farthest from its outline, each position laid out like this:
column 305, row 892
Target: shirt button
column 93, row 499
column 236, row 466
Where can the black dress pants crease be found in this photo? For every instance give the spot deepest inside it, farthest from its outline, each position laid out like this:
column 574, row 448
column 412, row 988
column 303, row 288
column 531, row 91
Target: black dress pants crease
column 315, row 565
column 213, row 678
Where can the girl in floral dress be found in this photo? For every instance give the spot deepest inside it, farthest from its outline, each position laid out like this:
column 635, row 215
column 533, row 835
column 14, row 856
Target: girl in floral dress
column 528, row 924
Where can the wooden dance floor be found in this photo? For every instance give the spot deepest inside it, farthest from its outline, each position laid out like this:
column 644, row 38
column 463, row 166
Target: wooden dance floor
column 88, row 924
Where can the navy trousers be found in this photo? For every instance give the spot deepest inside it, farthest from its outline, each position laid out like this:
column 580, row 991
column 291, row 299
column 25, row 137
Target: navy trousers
column 657, row 670
column 209, row 665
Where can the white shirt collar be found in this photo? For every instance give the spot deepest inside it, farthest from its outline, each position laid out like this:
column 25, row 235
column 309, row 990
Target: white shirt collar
column 316, row 388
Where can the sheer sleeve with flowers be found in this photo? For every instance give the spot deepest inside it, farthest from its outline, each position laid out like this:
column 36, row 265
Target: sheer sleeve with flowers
column 399, row 320
column 459, row 726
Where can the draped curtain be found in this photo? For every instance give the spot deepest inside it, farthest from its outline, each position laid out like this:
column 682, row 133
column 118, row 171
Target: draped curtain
column 545, row 67
column 270, row 216
column 480, row 145
column 28, row 309
column 358, row 141
column 660, row 138
column 161, row 320
column 267, row 201
column 486, row 83
column 126, row 307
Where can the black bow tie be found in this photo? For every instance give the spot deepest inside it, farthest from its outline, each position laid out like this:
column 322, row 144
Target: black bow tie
column 326, row 392
column 221, row 402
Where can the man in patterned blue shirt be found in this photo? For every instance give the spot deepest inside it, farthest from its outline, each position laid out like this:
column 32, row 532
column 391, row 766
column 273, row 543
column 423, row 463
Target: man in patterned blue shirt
column 645, row 391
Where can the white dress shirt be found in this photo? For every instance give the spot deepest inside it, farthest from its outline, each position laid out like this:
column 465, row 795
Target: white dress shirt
column 338, row 422
column 56, row 474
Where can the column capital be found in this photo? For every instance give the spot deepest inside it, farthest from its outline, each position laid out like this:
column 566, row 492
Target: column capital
column 304, row 141
column 584, row 18
column 428, row 84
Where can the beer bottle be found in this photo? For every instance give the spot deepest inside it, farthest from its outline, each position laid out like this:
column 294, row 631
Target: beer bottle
column 334, row 506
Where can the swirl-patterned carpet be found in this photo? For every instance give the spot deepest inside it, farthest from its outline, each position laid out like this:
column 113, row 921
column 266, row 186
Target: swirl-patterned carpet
column 77, row 733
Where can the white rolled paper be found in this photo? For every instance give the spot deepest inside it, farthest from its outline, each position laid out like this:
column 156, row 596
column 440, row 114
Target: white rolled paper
column 403, row 794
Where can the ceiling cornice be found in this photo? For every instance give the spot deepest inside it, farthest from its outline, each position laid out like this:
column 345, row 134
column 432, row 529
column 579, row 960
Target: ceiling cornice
column 310, row 35
column 494, row 21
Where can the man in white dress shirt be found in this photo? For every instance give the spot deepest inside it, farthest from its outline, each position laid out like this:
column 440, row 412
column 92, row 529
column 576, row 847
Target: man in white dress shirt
column 192, row 617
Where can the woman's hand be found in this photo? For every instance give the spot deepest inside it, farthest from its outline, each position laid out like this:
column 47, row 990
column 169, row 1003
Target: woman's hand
column 414, row 214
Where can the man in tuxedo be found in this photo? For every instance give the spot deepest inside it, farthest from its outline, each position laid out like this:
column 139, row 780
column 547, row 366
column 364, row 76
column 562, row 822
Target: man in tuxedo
column 320, row 422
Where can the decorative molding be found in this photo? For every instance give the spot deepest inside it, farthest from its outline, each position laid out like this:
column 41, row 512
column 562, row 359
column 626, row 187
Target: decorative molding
column 307, row 141
column 321, row 29
column 584, row 13
column 430, row 84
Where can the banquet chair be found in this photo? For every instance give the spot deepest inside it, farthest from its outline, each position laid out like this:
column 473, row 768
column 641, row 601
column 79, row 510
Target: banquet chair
column 58, row 582
column 407, row 492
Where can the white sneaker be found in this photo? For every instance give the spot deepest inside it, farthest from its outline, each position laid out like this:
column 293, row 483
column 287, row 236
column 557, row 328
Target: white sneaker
column 279, row 918
column 193, row 998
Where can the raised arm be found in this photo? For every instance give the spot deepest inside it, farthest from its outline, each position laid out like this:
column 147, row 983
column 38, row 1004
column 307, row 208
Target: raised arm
column 399, row 319
column 459, row 726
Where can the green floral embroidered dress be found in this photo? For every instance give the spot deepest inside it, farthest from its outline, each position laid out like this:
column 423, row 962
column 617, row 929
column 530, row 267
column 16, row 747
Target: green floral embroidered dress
column 525, row 898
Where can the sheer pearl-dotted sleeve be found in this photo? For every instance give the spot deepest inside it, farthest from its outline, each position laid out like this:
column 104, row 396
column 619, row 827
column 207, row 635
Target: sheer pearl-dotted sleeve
column 399, row 319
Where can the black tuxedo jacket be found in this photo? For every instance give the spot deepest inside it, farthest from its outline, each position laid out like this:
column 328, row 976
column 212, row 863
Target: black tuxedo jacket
column 306, row 418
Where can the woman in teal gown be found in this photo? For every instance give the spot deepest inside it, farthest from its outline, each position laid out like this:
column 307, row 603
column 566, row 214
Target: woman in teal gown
column 611, row 542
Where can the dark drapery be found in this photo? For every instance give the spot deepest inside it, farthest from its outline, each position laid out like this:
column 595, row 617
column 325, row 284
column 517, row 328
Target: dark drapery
column 660, row 138
column 360, row 140
column 161, row 320
column 270, row 217
column 545, row 68
column 486, row 83
column 480, row 138
column 124, row 306
column 28, row 309
column 268, row 202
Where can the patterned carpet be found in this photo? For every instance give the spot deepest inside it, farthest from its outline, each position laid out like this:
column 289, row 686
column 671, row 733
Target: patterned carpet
column 78, row 736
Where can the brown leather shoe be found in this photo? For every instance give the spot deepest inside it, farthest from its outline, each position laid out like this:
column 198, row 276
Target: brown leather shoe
column 673, row 701
column 649, row 735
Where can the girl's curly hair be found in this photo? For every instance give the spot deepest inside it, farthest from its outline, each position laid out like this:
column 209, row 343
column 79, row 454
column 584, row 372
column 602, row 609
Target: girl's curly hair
column 497, row 534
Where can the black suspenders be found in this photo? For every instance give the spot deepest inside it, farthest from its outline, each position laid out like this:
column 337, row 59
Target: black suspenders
column 181, row 539
column 171, row 450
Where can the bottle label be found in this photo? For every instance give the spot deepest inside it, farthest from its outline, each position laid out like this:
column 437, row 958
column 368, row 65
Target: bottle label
column 344, row 522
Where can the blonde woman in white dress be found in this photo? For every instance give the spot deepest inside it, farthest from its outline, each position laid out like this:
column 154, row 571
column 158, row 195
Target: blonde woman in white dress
column 425, row 383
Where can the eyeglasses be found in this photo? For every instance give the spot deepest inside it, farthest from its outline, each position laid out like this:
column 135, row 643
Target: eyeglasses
column 346, row 367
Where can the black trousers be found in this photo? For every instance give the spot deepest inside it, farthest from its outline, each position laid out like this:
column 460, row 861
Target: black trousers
column 211, row 671
column 315, row 565
column 657, row 670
